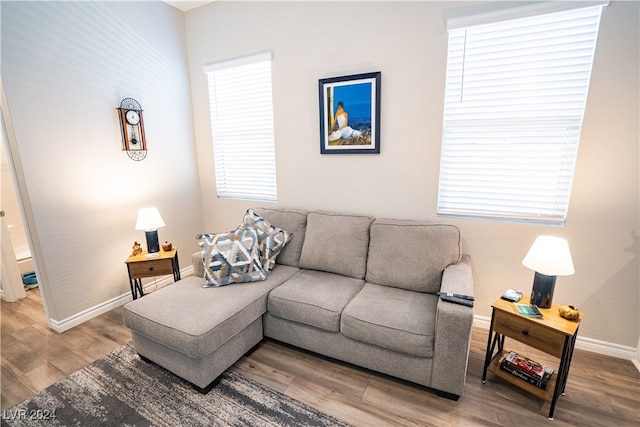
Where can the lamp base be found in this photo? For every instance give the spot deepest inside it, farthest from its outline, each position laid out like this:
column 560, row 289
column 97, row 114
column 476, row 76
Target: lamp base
column 153, row 244
column 542, row 291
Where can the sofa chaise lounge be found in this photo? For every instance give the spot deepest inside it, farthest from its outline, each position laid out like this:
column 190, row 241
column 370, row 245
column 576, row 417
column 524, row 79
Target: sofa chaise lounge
column 350, row 287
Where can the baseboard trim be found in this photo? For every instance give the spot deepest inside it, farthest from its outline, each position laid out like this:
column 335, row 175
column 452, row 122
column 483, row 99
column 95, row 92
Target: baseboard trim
column 582, row 343
column 64, row 325
column 588, row 344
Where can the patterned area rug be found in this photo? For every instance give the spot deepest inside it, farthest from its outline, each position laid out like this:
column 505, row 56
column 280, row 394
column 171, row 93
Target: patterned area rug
column 121, row 389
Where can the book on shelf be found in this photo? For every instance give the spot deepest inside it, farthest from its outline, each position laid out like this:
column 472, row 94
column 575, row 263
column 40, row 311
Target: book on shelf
column 512, row 295
column 526, row 369
column 542, row 384
column 529, row 310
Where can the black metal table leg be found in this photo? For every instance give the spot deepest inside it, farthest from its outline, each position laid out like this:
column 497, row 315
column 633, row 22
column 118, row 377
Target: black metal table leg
column 490, row 348
column 136, row 288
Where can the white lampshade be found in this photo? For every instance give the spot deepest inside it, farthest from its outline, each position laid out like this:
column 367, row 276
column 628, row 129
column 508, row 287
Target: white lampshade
column 550, row 256
column 149, row 219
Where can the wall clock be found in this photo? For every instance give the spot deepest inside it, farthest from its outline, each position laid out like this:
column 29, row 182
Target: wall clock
column 132, row 127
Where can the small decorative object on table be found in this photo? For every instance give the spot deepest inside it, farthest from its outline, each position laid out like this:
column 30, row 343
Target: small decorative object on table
column 512, row 295
column 137, row 248
column 166, row 246
column 569, row 312
column 529, row 310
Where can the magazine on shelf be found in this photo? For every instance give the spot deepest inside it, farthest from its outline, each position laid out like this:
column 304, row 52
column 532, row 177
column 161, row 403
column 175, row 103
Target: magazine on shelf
column 529, row 310
column 526, row 369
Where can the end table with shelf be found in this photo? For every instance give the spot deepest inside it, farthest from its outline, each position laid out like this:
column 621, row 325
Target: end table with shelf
column 551, row 334
column 141, row 266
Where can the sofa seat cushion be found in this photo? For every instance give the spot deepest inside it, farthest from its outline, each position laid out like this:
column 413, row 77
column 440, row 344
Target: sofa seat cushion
column 336, row 243
column 393, row 318
column 314, row 298
column 196, row 321
column 411, row 254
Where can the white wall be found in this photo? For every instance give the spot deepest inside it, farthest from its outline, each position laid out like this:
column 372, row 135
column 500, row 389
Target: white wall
column 65, row 68
column 407, row 42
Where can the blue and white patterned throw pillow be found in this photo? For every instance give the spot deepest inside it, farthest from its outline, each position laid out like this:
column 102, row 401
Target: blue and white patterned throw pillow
column 232, row 257
column 271, row 239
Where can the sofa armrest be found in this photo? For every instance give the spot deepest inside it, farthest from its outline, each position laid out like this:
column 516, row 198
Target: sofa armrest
column 457, row 278
column 453, row 331
column 198, row 267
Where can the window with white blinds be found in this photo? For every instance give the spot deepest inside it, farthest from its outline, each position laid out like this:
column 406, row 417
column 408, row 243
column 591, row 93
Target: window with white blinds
column 515, row 97
column 240, row 99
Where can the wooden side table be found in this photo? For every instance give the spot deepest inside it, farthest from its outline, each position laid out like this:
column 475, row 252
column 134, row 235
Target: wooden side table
column 139, row 266
column 552, row 334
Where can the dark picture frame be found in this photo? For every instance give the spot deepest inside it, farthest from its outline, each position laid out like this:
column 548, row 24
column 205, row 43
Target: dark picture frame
column 350, row 114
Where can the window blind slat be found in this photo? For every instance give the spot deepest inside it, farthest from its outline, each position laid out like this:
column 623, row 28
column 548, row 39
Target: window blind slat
column 240, row 99
column 514, row 103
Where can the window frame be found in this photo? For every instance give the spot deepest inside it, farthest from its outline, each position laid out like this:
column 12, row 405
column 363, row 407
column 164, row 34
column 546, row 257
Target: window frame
column 457, row 199
column 243, row 127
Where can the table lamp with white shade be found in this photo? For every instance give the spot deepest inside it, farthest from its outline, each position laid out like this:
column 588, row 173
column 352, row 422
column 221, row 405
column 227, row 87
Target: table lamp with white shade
column 149, row 220
column 549, row 257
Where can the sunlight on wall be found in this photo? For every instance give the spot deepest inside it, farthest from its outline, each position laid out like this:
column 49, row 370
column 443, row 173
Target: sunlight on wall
column 66, row 67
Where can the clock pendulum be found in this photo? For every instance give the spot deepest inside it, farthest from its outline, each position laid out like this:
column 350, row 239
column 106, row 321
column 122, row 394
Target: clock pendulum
column 134, row 140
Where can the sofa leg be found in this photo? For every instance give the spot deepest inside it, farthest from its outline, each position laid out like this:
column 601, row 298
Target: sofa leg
column 204, row 390
column 207, row 389
column 145, row 359
column 446, row 395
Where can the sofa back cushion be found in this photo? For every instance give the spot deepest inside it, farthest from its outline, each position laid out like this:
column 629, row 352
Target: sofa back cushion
column 295, row 222
column 336, row 243
column 411, row 254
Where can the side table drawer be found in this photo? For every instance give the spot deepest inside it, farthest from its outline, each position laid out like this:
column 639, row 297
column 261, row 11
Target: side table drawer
column 529, row 332
column 150, row 268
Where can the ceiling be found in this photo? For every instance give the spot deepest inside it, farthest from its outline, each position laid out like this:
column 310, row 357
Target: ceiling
column 185, row 5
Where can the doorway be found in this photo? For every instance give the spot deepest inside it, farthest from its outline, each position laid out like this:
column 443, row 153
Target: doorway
column 12, row 232
column 17, row 256
column 13, row 216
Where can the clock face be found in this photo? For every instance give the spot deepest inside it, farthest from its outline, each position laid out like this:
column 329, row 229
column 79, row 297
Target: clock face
column 133, row 118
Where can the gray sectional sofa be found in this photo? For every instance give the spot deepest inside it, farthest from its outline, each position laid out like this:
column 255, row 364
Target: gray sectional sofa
column 351, row 287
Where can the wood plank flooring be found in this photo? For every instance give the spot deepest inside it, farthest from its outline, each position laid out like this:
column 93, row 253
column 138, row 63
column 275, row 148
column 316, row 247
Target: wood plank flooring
column 601, row 391
column 34, row 356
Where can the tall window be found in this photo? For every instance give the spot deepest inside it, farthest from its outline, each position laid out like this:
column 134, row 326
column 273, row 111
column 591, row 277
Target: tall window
column 240, row 99
column 515, row 98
